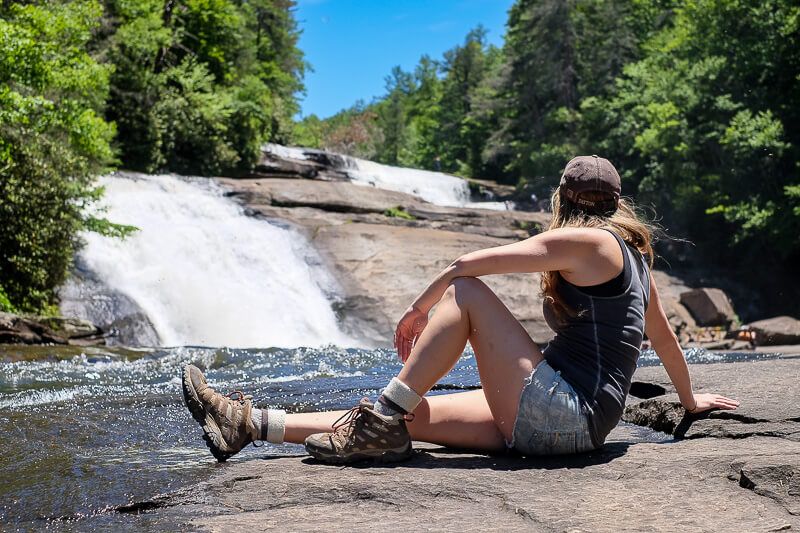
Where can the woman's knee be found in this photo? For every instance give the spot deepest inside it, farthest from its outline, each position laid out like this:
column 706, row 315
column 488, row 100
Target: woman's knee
column 466, row 288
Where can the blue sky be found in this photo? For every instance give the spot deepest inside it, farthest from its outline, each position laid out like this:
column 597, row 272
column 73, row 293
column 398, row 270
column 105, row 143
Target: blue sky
column 353, row 44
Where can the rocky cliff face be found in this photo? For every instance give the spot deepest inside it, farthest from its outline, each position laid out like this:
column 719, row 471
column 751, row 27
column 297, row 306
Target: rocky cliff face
column 385, row 246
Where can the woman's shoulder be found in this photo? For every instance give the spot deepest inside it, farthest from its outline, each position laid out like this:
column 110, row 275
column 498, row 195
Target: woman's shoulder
column 581, row 235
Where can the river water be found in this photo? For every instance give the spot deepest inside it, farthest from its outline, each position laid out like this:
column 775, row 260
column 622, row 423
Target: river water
column 84, row 430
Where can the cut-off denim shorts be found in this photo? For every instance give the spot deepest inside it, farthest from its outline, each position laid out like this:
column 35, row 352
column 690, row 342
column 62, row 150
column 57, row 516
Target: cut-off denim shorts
column 549, row 419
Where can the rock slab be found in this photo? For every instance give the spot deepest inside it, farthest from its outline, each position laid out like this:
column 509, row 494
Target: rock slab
column 711, row 480
column 16, row 329
column 709, row 306
column 382, row 262
column 777, row 331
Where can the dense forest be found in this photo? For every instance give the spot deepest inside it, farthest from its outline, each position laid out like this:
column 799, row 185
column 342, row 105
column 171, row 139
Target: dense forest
column 189, row 86
column 695, row 101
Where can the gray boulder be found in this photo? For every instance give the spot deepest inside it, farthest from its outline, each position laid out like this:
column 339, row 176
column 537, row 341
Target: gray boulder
column 679, row 317
column 121, row 320
column 71, row 328
column 709, row 306
column 15, row 329
column 777, row 330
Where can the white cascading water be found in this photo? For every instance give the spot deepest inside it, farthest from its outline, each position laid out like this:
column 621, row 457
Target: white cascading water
column 434, row 187
column 205, row 273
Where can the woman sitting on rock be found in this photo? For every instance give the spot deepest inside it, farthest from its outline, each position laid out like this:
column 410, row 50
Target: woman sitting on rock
column 599, row 298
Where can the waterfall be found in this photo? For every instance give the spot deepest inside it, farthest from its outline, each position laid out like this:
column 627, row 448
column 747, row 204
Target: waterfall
column 434, row 187
column 204, row 273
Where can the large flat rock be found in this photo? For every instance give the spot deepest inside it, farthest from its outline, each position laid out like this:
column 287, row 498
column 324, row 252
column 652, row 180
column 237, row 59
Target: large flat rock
column 264, row 195
column 329, row 196
column 383, row 268
column 686, row 486
column 727, row 481
column 383, row 262
column 384, row 246
column 770, row 400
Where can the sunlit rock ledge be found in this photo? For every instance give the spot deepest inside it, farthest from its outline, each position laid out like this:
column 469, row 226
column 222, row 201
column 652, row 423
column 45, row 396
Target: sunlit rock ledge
column 731, row 471
column 16, row 329
column 383, row 259
column 384, row 246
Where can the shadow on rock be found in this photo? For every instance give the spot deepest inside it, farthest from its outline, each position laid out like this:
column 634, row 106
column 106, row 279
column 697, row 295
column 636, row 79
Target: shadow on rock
column 433, row 458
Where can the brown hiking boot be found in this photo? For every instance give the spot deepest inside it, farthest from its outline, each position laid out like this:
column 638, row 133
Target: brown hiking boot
column 226, row 421
column 362, row 434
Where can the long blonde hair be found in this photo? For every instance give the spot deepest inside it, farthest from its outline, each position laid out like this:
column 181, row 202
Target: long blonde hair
column 625, row 222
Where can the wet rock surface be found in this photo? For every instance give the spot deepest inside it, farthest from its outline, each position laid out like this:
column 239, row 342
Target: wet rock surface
column 720, row 479
column 123, row 322
column 16, row 329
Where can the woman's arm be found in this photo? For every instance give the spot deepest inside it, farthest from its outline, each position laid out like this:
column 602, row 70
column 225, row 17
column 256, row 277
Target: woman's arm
column 569, row 250
column 560, row 249
column 666, row 345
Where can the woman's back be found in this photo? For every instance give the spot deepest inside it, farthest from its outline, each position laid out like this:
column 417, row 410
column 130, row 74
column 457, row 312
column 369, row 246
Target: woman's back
column 596, row 350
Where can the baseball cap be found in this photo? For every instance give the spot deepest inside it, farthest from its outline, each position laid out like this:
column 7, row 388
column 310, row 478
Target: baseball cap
column 587, row 173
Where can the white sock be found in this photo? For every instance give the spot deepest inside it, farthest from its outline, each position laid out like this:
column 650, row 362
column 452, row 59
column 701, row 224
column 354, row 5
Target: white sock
column 276, row 424
column 397, row 398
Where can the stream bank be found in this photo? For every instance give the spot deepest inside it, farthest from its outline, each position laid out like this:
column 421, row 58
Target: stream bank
column 736, row 471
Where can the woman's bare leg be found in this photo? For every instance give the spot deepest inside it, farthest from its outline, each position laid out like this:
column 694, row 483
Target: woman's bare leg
column 461, row 420
column 505, row 354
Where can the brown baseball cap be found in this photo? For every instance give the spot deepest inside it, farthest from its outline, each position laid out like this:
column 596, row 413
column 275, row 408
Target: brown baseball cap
column 591, row 173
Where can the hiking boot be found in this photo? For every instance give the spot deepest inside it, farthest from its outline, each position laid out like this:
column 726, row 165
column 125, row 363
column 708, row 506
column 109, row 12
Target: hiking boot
column 361, row 434
column 226, row 421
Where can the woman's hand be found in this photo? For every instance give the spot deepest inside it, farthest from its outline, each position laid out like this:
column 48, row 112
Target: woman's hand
column 704, row 402
column 408, row 330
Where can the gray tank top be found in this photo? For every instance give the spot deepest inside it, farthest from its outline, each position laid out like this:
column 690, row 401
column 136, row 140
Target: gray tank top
column 596, row 352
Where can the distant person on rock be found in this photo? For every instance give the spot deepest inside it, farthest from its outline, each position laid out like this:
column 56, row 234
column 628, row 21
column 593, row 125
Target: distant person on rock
column 599, row 298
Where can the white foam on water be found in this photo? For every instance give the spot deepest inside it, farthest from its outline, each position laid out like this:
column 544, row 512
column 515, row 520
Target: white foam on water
column 493, row 206
column 205, row 273
column 38, row 397
column 435, row 187
column 286, row 152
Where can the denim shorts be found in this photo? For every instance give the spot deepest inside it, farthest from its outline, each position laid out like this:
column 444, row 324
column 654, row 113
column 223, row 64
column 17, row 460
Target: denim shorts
column 549, row 418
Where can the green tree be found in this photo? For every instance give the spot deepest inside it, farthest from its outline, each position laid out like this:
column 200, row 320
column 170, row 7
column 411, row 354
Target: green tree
column 704, row 124
column 53, row 140
column 199, row 85
column 393, row 116
column 461, row 138
column 424, row 146
column 538, row 92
